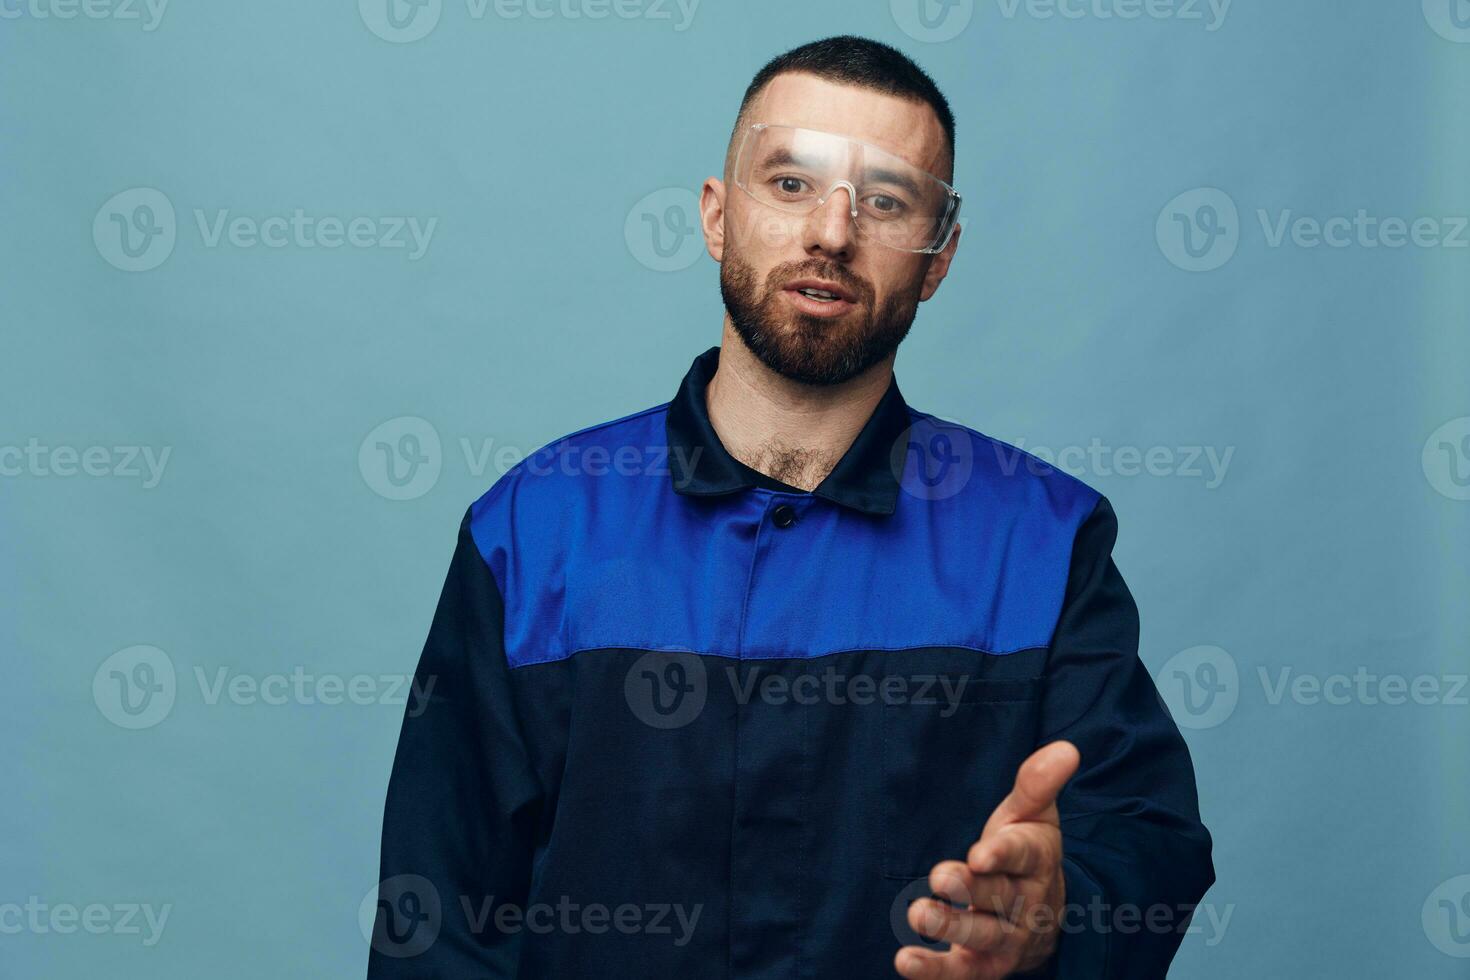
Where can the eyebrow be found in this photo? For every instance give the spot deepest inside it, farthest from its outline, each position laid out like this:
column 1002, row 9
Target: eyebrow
column 893, row 177
column 782, row 156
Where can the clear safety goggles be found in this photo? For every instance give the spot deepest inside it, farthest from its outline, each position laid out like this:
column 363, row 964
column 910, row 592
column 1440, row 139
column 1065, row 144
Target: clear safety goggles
column 891, row 201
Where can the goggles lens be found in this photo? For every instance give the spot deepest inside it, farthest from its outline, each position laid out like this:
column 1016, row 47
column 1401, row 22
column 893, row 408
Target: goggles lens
column 891, row 201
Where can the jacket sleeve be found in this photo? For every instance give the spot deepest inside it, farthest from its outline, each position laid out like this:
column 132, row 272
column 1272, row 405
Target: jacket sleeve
column 1136, row 857
column 463, row 800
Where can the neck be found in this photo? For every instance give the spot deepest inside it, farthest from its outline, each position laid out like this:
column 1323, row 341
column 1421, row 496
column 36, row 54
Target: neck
column 791, row 431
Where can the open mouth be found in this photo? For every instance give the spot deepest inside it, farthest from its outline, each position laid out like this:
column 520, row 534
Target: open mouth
column 819, row 297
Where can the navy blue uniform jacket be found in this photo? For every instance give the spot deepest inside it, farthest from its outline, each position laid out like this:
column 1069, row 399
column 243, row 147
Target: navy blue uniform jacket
column 688, row 721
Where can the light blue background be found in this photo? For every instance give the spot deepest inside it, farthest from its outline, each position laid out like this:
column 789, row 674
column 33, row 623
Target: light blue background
column 1327, row 547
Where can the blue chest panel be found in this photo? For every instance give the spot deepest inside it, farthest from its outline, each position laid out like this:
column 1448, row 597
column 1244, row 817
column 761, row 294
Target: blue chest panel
column 592, row 549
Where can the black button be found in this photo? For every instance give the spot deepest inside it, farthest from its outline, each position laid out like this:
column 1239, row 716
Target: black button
column 784, row 515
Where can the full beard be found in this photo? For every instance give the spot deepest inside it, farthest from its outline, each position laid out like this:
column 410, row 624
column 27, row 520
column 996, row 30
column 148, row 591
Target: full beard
column 810, row 349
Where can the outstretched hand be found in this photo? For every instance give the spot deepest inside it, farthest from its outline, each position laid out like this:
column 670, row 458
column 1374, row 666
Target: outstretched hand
column 1009, row 888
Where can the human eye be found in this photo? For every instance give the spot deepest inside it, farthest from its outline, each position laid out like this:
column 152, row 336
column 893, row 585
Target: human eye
column 885, row 205
column 789, row 186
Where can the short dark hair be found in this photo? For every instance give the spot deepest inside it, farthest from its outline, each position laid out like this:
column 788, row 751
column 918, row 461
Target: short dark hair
column 856, row 61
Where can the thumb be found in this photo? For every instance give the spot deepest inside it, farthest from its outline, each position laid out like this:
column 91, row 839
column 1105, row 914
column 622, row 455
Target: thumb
column 1038, row 781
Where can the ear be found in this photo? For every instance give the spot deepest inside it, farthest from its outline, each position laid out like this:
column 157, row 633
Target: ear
column 939, row 267
column 712, row 217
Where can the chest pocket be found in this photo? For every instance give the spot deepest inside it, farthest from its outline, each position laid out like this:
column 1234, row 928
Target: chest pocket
column 947, row 761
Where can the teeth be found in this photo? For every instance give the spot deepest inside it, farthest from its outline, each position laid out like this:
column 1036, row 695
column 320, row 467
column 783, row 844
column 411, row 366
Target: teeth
column 821, row 294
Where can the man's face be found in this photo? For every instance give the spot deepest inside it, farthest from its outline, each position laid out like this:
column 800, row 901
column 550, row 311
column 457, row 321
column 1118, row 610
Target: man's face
column 767, row 256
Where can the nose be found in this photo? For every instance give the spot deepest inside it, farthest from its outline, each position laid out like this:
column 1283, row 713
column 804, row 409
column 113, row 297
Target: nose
column 829, row 228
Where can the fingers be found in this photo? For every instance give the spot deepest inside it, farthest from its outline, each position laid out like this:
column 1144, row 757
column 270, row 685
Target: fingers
column 918, row 963
column 977, row 931
column 1024, row 850
column 980, row 915
column 997, row 894
column 1038, row 781
column 976, row 911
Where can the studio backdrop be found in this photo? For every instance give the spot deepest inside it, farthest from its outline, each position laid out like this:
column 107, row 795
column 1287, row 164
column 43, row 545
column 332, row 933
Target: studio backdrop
column 284, row 286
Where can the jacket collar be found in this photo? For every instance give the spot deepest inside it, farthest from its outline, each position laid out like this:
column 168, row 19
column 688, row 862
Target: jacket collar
column 864, row 478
